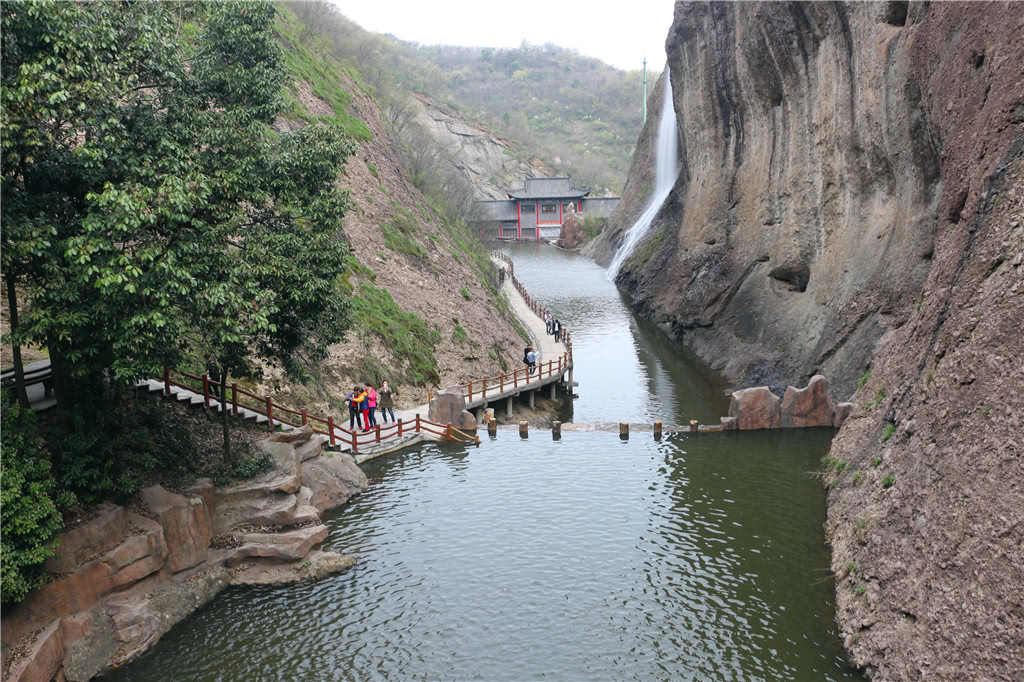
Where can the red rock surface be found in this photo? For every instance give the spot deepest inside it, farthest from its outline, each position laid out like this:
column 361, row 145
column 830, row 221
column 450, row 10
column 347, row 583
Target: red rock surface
column 755, row 408
column 186, row 526
column 808, row 406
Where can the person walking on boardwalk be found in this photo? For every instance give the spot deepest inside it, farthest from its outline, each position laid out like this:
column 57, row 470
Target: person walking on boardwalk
column 386, row 402
column 526, row 358
column 531, row 362
column 371, row 397
column 213, row 372
column 353, row 409
column 556, row 329
column 547, row 323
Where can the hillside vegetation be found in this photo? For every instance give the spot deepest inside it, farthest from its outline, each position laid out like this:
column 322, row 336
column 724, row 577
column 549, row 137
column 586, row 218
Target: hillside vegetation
column 579, row 114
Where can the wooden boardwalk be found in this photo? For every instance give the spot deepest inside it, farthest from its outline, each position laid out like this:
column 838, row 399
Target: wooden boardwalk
column 554, row 367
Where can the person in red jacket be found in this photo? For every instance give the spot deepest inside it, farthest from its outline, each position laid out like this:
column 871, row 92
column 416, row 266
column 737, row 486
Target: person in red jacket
column 371, row 403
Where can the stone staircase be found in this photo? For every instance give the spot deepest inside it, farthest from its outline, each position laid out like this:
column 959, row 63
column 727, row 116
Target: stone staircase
column 196, row 400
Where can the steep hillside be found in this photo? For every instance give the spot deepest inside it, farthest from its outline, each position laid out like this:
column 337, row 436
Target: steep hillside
column 425, row 308
column 851, row 204
column 490, row 162
column 577, row 113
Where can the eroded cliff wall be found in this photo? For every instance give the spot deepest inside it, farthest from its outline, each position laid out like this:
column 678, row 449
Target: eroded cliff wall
column 850, row 200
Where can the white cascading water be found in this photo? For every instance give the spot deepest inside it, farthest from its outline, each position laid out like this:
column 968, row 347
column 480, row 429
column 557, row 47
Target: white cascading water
column 666, row 159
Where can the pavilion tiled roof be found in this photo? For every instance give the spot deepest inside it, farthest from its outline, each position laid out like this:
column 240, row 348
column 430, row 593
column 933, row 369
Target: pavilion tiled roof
column 549, row 188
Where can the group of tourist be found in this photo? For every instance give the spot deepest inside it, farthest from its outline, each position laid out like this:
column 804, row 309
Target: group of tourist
column 364, row 401
column 553, row 326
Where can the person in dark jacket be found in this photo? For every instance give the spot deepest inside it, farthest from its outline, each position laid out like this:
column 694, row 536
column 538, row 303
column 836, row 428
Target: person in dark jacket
column 556, row 329
column 353, row 409
column 386, row 402
column 213, row 372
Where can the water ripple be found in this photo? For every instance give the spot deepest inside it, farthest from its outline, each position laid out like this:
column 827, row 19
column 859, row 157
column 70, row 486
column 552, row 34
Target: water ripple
column 690, row 558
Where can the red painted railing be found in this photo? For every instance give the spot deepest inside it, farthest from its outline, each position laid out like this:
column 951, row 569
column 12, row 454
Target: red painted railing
column 479, row 388
column 279, row 414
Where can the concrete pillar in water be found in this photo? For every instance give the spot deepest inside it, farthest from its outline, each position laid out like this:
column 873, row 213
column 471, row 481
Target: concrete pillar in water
column 524, row 429
column 657, row 430
column 508, row 405
column 492, row 427
column 624, row 430
column 556, row 430
column 533, row 395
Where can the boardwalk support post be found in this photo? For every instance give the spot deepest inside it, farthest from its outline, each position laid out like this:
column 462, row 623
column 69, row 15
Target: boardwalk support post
column 270, row 414
column 624, row 430
column 508, row 406
column 554, row 385
column 417, row 422
column 524, row 429
column 330, row 429
column 399, row 428
column 657, row 430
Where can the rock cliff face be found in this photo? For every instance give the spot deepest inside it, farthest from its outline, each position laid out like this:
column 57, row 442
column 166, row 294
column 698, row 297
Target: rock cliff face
column 851, row 199
column 490, row 162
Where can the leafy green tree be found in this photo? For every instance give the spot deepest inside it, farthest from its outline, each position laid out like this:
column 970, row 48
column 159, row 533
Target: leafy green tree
column 186, row 221
column 30, row 517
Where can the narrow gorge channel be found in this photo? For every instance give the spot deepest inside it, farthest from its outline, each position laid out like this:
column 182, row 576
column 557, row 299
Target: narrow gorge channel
column 585, row 558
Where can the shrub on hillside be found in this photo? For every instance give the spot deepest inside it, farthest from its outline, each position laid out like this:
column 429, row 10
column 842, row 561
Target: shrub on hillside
column 30, row 518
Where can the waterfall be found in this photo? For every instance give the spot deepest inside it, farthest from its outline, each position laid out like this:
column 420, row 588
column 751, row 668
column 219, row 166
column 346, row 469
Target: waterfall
column 666, row 158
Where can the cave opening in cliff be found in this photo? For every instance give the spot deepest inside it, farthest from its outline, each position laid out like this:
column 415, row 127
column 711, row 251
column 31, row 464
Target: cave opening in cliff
column 795, row 276
column 896, row 13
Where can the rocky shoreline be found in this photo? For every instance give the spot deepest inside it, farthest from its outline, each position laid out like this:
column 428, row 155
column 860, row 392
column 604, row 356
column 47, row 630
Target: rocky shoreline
column 126, row 576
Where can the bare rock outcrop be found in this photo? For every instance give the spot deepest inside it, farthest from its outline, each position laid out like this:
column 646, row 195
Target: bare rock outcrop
column 332, row 480
column 125, row 579
column 851, row 198
column 186, row 526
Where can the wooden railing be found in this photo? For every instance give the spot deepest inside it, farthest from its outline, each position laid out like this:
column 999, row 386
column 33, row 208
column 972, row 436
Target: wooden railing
column 236, row 397
column 501, row 382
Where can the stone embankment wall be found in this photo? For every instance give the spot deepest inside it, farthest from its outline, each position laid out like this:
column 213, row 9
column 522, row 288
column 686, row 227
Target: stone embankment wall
column 129, row 574
column 851, row 200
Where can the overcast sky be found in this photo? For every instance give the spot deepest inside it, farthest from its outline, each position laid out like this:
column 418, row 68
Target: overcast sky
column 621, row 35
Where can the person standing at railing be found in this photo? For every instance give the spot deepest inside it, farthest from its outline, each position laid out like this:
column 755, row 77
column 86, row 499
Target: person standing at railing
column 556, row 330
column 363, row 401
column 371, row 403
column 386, row 401
column 353, row 409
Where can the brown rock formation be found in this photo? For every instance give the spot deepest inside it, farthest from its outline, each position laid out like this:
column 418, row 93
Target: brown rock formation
column 755, row 408
column 127, row 579
column 851, row 196
column 808, row 406
column 186, row 526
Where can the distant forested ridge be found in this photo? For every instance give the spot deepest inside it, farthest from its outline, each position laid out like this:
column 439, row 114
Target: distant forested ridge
column 579, row 114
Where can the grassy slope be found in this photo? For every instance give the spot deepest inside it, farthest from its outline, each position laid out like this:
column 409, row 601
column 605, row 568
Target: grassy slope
column 393, row 229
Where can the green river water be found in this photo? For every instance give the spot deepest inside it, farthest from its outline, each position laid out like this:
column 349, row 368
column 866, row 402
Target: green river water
column 589, row 558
